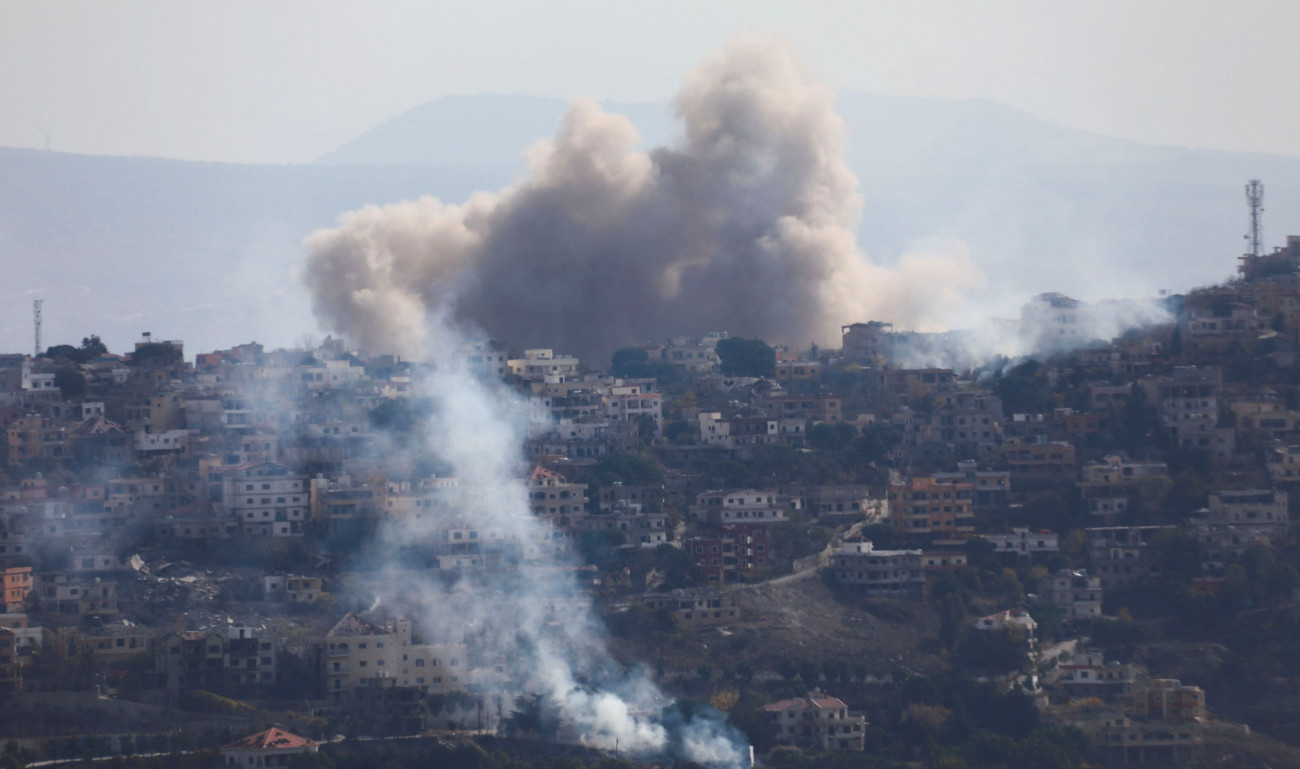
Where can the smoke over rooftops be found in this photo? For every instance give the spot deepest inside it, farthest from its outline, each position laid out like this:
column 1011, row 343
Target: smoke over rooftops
column 745, row 223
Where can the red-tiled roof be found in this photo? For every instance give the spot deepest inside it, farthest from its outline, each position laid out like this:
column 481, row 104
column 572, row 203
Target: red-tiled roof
column 271, row 739
column 804, row 703
column 540, row 473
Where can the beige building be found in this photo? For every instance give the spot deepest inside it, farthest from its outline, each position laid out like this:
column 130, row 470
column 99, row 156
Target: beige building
column 292, row 589
column 36, row 437
column 544, row 366
column 816, row 722
column 266, row 499
column 552, row 497
column 355, row 651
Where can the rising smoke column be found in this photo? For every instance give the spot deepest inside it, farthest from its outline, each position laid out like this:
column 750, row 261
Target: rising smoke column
column 526, row 609
column 745, row 225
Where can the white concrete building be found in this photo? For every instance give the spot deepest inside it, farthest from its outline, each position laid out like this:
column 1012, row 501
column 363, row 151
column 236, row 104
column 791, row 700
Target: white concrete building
column 266, row 499
column 878, row 571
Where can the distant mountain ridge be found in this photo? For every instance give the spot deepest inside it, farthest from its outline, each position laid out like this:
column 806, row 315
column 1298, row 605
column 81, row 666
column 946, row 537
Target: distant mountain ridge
column 207, row 251
column 492, row 128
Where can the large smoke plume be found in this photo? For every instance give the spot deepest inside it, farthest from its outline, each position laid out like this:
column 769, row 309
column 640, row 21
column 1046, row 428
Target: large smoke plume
column 745, row 225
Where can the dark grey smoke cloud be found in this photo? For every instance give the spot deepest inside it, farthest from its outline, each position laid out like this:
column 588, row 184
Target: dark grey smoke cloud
column 744, row 225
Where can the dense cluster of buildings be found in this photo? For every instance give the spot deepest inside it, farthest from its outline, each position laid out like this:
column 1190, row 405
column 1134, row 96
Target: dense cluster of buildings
column 116, row 463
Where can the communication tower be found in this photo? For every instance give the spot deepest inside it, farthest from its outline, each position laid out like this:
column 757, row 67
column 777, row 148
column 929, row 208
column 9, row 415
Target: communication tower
column 1255, row 197
column 36, row 320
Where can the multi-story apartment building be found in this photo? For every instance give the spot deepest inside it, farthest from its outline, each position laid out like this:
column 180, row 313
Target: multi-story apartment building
column 484, row 357
column 1187, row 401
column 990, row 489
column 913, row 382
column 693, row 355
column 1265, row 416
column 885, row 572
column 1038, row 463
column 544, row 366
column 797, row 371
column 552, row 497
column 71, row 596
column 927, row 507
column 1169, row 701
column 1110, row 485
column 743, row 506
column 816, row 722
column 36, row 437
column 291, row 589
column 811, row 408
column 1237, row 520
column 1120, row 556
column 852, row 501
column 250, row 657
column 696, row 608
column 116, row 643
column 1086, row 673
column 870, row 342
column 628, row 403
column 724, row 554
column 639, row 529
column 11, row 665
column 1077, row 594
column 608, row 497
column 968, row 417
column 355, row 650
column 17, row 585
column 1283, row 464
column 13, row 535
column 267, row 499
column 190, row 659
column 1054, row 321
column 1022, row 542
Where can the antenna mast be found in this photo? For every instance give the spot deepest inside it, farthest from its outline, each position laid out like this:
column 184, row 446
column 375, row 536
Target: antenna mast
column 36, row 319
column 1255, row 197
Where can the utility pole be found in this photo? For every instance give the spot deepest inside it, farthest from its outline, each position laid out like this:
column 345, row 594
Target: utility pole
column 36, row 318
column 1255, row 198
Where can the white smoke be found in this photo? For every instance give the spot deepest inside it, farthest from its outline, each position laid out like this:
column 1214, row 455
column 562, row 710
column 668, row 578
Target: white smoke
column 527, row 608
column 745, row 224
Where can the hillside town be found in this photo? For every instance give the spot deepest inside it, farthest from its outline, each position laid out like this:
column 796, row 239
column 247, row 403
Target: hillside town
column 1084, row 552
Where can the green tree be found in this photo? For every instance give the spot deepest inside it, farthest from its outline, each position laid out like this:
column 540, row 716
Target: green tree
column 675, row 565
column 1025, row 389
column 746, row 357
column 64, row 352
column 70, row 381
column 882, row 535
column 155, row 355
column 631, row 362
column 92, row 347
column 831, row 437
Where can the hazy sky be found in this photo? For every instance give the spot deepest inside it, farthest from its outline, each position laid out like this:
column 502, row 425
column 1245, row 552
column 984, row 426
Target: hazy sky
column 289, row 81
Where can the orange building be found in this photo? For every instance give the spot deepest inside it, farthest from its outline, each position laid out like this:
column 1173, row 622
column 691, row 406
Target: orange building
column 928, row 507
column 17, row 585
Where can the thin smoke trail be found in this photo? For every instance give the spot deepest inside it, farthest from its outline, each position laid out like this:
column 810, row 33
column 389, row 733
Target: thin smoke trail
column 528, row 608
